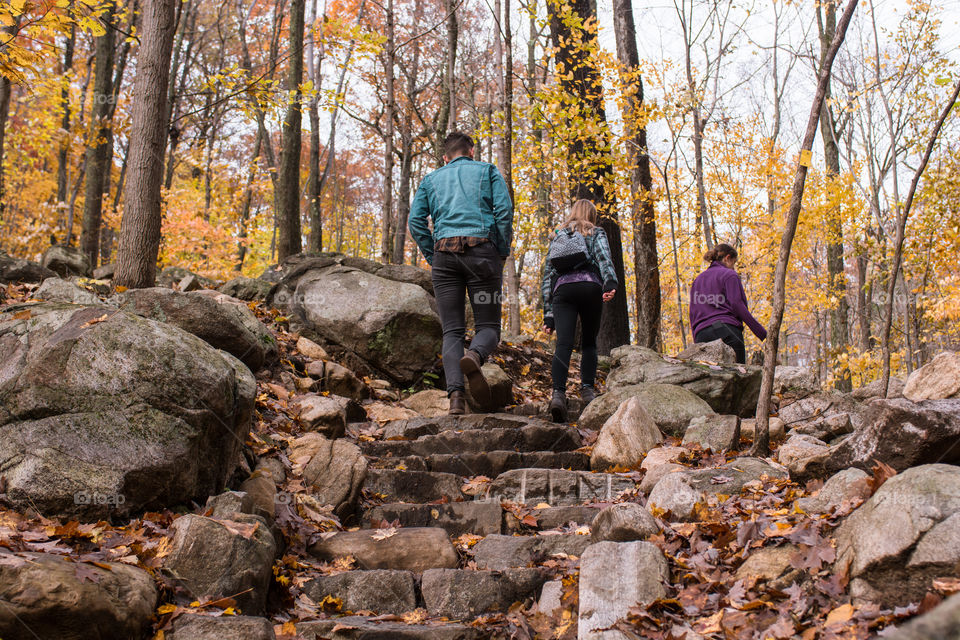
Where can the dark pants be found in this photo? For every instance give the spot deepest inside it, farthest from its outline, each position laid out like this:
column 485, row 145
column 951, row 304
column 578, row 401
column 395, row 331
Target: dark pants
column 479, row 272
column 731, row 336
column 583, row 300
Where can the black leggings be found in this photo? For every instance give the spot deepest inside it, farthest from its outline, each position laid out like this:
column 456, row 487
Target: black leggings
column 731, row 336
column 581, row 299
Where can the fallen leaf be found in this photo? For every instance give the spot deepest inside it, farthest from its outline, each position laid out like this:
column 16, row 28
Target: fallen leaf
column 89, row 323
column 840, row 615
column 383, row 534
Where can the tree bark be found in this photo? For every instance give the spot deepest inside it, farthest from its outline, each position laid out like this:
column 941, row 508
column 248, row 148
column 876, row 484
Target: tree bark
column 448, row 92
column 288, row 177
column 315, row 238
column 761, row 445
column 645, row 261
column 140, row 228
column 100, row 142
column 389, row 55
column 63, row 154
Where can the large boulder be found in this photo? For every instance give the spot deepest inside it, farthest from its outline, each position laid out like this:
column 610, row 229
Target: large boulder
column 459, row 594
column 48, row 596
column 844, row 489
column 625, row 437
column 614, row 577
column 797, row 382
column 18, row 270
column 214, row 559
column 938, row 379
column 104, row 413
column 388, row 324
column 623, row 522
column 248, row 289
column 408, row 549
column 897, row 432
column 171, row 276
column 820, row 406
column 727, row 388
column 66, row 261
column 332, row 470
column 875, row 390
column 380, row 591
column 715, row 352
column 201, row 627
column 680, row 494
column 59, row 290
column 904, row 536
column 942, row 622
column 223, row 322
column 671, row 407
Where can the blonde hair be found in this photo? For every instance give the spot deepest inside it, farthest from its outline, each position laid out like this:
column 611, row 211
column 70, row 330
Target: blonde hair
column 582, row 218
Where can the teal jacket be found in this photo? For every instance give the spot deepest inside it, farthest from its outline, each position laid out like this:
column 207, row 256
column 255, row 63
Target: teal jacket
column 463, row 198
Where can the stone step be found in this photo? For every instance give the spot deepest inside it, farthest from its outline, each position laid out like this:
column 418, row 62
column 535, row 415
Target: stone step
column 490, row 463
column 500, row 553
column 553, row 517
column 456, row 518
column 363, row 628
column 463, row 594
column 531, row 437
column 412, row 486
column 416, row 427
column 378, row 591
column 414, row 549
column 558, row 487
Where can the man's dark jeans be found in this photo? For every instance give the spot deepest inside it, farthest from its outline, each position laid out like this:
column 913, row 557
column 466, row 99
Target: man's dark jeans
column 479, row 272
column 731, row 336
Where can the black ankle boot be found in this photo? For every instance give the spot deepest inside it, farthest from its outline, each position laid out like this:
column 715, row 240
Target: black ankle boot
column 587, row 395
column 558, row 406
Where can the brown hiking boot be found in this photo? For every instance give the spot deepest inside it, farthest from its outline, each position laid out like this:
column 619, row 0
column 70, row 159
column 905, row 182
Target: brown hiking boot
column 470, row 365
column 558, row 406
column 458, row 403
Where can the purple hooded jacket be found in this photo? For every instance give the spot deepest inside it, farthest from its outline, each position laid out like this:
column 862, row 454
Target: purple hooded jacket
column 717, row 295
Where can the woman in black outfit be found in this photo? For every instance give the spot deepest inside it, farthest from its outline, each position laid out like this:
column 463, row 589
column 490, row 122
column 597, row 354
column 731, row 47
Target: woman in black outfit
column 579, row 292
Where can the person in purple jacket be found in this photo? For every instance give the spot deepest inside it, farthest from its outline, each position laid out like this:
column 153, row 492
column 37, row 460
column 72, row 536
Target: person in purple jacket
column 718, row 303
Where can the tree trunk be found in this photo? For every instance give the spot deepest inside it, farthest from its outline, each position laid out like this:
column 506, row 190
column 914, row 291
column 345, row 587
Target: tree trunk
column 389, row 55
column 589, row 157
column 315, row 238
column 185, row 17
column 140, row 228
column 448, row 92
column 63, row 155
column 645, row 261
column 761, row 445
column 288, row 177
column 100, row 142
column 898, row 243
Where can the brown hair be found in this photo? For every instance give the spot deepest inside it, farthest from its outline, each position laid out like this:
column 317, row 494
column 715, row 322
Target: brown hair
column 719, row 252
column 457, row 144
column 582, row 218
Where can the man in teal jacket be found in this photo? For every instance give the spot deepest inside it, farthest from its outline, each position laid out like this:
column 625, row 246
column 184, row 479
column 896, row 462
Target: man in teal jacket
column 472, row 215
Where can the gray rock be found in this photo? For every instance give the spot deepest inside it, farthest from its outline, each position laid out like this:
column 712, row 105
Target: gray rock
column 464, row 594
column 103, row 418
column 507, row 552
column 849, row 486
column 551, row 595
column 326, row 415
column 174, row 275
column 261, row 490
column 430, row 403
column 218, row 558
column 456, row 518
column 942, row 622
column 197, row 627
column 716, row 433
column 936, row 380
column 899, row 433
column 226, row 504
column 767, row 563
column 46, row 596
column 727, row 388
column 801, row 451
column 818, row 406
column 715, row 352
column 414, row 549
column 777, row 429
column 221, row 321
column 873, row 390
column 412, row 486
column 553, row 517
column 58, row 290
column 390, row 325
column 248, row 289
column 343, row 382
column 795, row 382
column 66, row 261
column 558, row 487
column 190, row 283
column 17, row 270
column 679, row 493
column 105, row 272
column 501, row 388
column 625, row 437
column 615, row 576
column 829, row 428
column 531, row 437
column 885, row 540
column 623, row 522
column 361, row 628
column 671, row 407
column 379, row 591
column 656, row 474
column 333, row 470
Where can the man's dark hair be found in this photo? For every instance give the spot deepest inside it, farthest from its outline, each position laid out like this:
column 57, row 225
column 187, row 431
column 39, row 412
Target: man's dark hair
column 457, row 144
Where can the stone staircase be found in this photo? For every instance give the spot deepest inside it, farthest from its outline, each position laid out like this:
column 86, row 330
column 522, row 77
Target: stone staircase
column 405, row 552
